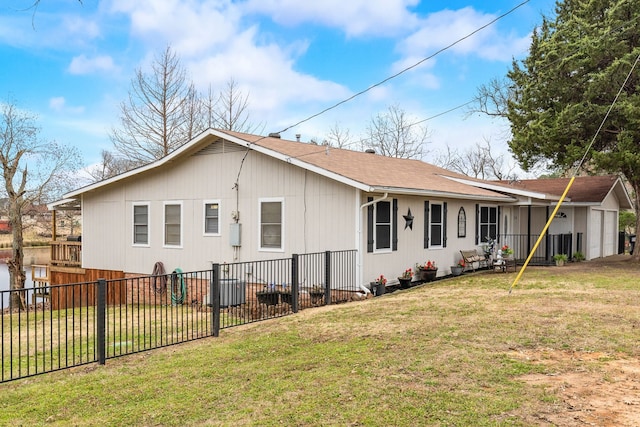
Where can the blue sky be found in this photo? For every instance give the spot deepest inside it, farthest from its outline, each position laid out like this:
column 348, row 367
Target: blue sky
column 71, row 63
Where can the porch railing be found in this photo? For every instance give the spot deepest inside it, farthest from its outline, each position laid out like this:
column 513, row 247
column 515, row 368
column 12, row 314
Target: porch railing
column 65, row 253
column 550, row 245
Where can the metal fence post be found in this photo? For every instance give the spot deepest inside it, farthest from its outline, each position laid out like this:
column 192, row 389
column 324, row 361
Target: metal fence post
column 101, row 312
column 327, row 277
column 295, row 286
column 214, row 298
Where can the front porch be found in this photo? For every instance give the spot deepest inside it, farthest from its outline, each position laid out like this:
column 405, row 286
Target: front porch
column 550, row 245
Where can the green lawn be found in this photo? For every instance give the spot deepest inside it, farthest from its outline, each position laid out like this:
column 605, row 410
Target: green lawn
column 452, row 352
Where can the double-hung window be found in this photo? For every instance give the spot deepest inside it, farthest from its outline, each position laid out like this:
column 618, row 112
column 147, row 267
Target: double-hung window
column 383, row 226
column 436, row 225
column 173, row 224
column 271, row 224
column 141, row 224
column 488, row 223
column 211, row 218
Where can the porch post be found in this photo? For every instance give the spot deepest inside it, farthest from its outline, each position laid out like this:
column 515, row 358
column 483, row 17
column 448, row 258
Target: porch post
column 529, row 228
column 547, row 241
column 54, row 232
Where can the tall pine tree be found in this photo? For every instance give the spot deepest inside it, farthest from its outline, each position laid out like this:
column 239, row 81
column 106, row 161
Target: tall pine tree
column 561, row 92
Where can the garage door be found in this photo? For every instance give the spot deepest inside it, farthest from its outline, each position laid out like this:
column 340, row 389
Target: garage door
column 595, row 234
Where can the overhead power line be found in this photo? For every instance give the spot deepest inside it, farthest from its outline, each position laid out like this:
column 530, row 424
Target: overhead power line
column 380, row 83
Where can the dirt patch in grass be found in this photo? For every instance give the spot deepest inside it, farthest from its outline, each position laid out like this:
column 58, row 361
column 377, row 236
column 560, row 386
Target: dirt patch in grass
column 594, row 388
column 599, row 394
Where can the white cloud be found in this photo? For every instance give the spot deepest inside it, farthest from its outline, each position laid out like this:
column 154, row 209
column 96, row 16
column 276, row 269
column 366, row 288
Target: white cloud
column 441, row 29
column 266, row 74
column 191, row 27
column 83, row 65
column 354, row 17
column 80, row 26
column 57, row 31
column 59, row 105
column 215, row 46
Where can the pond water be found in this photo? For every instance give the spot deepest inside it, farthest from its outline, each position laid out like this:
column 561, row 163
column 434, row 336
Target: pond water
column 4, row 283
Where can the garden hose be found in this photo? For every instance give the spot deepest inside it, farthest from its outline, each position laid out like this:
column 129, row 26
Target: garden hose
column 175, row 298
column 159, row 279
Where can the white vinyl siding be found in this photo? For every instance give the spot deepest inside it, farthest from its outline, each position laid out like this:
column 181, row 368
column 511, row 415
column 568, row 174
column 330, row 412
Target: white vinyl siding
column 173, row 224
column 211, row 218
column 141, row 224
column 271, row 224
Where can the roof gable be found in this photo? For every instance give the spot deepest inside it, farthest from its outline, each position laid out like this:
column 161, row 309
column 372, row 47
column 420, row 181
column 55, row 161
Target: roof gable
column 585, row 189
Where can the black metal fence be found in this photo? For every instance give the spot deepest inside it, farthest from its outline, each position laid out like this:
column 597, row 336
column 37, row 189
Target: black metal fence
column 90, row 322
column 550, row 245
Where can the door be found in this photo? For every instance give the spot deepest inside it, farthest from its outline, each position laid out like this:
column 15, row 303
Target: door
column 609, row 234
column 595, row 234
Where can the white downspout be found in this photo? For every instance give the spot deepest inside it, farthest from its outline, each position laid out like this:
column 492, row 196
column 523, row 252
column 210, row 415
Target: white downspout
column 361, row 252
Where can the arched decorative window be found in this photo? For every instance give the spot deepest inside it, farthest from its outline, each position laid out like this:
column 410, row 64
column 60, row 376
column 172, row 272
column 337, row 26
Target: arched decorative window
column 462, row 223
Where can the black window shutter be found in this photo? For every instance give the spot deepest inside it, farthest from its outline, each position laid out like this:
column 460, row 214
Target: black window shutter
column 444, row 225
column 395, row 224
column 426, row 224
column 370, row 226
column 498, row 224
column 477, row 224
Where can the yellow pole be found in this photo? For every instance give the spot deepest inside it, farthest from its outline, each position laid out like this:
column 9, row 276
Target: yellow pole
column 544, row 231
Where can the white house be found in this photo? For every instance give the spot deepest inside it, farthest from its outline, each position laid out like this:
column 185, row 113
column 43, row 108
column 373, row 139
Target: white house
column 233, row 197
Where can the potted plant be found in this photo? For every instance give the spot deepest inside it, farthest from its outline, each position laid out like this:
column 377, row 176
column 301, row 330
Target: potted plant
column 428, row 271
column 405, row 279
column 507, row 252
column 379, row 286
column 457, row 269
column 578, row 256
column 560, row 259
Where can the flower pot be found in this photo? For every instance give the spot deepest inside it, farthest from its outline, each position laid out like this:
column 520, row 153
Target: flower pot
column 428, row 275
column 317, row 297
column 268, row 297
column 286, row 297
column 456, row 270
column 378, row 289
column 404, row 282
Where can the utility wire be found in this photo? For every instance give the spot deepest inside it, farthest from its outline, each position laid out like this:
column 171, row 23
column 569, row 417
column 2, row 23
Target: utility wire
column 344, row 101
column 613, row 30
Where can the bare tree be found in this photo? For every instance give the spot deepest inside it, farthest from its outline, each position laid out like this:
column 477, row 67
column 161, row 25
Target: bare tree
column 230, row 110
column 110, row 165
column 393, row 134
column 32, row 171
column 338, row 137
column 160, row 113
column 492, row 99
column 478, row 162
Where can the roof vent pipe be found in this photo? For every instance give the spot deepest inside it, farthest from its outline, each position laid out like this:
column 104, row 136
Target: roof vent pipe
column 298, row 137
column 274, row 135
column 370, row 151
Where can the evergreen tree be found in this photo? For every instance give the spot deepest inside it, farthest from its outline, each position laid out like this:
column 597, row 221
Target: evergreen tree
column 560, row 94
